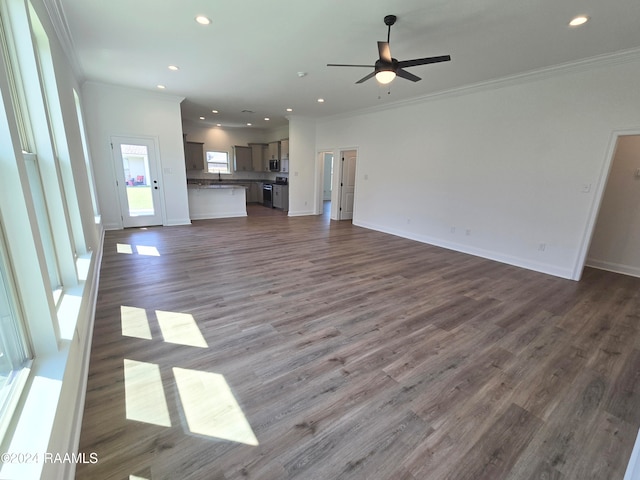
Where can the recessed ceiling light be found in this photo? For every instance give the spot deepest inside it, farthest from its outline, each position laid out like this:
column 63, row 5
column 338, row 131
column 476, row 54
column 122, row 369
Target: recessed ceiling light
column 248, row 124
column 201, row 118
column 289, row 109
column 218, row 124
column 302, row 74
column 214, row 111
column 173, row 67
column 580, row 20
column 267, row 118
column 202, row 20
column 321, row 100
column 161, row 87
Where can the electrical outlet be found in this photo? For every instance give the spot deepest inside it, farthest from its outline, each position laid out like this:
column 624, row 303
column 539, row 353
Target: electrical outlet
column 467, row 232
column 542, row 247
column 453, row 230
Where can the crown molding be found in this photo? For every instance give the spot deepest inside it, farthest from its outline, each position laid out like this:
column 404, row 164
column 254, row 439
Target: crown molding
column 600, row 61
column 59, row 21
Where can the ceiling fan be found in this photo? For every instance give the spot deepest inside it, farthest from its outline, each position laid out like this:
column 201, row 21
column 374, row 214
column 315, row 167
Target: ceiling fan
column 387, row 68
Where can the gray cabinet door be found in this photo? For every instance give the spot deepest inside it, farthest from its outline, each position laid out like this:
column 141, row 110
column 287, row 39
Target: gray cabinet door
column 243, row 159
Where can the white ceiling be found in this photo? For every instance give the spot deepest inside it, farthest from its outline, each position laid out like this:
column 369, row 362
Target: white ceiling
column 250, row 55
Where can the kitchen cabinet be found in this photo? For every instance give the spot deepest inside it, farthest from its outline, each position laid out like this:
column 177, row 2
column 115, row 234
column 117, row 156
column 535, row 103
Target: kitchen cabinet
column 258, row 186
column 284, row 149
column 274, row 151
column 281, row 197
column 243, row 161
column 259, row 157
column 284, row 155
column 194, row 155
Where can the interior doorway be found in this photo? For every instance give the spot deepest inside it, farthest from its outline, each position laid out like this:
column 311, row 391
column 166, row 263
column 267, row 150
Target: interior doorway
column 614, row 243
column 327, row 182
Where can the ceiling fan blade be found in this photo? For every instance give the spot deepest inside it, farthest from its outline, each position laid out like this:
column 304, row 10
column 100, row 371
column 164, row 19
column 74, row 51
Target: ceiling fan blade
column 384, row 51
column 348, row 65
column 409, row 76
column 423, row 61
column 364, row 79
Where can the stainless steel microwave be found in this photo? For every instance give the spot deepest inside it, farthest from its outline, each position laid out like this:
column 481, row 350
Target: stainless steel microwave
column 274, row 165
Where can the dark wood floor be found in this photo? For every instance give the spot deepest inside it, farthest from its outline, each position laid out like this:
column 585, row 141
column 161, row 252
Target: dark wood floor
column 352, row 354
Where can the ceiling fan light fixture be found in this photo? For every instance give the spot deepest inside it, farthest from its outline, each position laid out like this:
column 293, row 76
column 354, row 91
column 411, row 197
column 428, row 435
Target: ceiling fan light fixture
column 385, row 76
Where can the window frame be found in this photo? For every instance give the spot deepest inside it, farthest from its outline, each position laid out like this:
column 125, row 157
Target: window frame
column 209, row 161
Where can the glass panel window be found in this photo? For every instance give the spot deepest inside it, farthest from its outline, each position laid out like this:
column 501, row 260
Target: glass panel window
column 44, row 223
column 135, row 163
column 14, row 353
column 218, row 162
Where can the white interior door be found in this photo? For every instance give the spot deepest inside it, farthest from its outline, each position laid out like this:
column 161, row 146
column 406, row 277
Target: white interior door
column 347, row 184
column 136, row 166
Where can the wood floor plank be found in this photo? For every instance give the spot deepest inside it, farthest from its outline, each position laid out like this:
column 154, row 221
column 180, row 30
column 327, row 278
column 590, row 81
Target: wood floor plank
column 354, row 354
column 498, row 450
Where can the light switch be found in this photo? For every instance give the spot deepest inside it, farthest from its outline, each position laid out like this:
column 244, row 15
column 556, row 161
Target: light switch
column 638, row 173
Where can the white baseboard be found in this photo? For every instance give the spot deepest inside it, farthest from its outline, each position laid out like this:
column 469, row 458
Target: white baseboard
column 301, row 213
column 613, row 267
column 178, row 221
column 478, row 252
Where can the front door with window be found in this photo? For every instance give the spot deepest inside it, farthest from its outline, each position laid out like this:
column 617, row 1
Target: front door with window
column 138, row 182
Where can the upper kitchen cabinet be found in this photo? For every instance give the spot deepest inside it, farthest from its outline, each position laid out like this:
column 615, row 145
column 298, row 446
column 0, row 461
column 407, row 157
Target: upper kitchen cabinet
column 258, row 156
column 284, row 149
column 284, row 155
column 194, row 155
column 243, row 159
column 274, row 151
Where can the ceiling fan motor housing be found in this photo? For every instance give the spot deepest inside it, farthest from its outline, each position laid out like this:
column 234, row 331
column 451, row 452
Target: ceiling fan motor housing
column 382, row 66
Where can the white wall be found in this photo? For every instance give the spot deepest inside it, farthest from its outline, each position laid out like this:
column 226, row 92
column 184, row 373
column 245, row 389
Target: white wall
column 615, row 238
column 112, row 110
column 494, row 171
column 303, row 187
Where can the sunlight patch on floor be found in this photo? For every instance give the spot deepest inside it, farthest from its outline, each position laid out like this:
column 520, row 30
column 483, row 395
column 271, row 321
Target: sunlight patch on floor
column 124, row 248
column 210, row 407
column 144, row 395
column 180, row 328
column 135, row 322
column 147, row 250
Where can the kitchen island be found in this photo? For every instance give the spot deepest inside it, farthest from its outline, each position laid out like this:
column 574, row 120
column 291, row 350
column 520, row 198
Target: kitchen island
column 216, row 201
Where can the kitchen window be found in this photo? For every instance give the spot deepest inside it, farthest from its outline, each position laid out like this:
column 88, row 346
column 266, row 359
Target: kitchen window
column 218, row 162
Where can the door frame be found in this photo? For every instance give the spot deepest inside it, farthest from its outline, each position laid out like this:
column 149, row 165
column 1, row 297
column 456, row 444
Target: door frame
column 597, row 199
column 157, row 164
column 336, row 190
column 319, row 202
